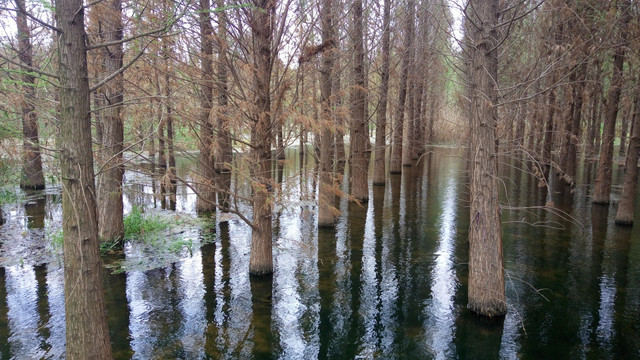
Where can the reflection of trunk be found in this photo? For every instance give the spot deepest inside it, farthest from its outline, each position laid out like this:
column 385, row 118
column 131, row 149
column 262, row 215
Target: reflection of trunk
column 261, row 291
column 395, row 166
column 358, row 129
column 32, row 176
column 325, row 196
column 486, row 275
column 602, row 188
column 110, row 206
column 625, row 213
column 206, row 191
column 381, row 123
column 116, row 302
column 87, row 332
column 35, row 212
column 261, row 261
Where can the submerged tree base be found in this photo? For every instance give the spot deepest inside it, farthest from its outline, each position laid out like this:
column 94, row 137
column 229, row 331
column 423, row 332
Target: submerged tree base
column 490, row 309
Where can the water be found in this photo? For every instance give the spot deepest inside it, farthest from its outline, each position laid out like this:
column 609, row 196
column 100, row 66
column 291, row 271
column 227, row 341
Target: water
column 388, row 282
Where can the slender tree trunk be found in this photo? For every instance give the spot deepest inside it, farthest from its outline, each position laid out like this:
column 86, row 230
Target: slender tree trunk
column 573, row 135
column 602, row 188
column 225, row 149
column 110, row 205
column 395, row 166
column 624, row 127
column 326, row 209
column 409, row 127
column 625, row 213
column 340, row 153
column 32, row 175
column 358, row 129
column 261, row 259
column 486, row 274
column 379, row 172
column 87, row 332
column 547, row 144
column 206, row 185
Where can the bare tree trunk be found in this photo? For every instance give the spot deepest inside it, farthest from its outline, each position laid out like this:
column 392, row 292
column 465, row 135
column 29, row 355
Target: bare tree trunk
column 602, row 188
column 379, row 172
column 358, row 130
column 625, row 213
column 395, row 166
column 261, row 259
column 110, row 205
column 624, row 127
column 225, row 148
column 87, row 332
column 486, row 274
column 32, row 175
column 206, row 185
column 326, row 209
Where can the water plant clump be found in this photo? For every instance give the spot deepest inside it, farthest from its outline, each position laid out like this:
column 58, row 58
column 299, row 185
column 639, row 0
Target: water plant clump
column 139, row 225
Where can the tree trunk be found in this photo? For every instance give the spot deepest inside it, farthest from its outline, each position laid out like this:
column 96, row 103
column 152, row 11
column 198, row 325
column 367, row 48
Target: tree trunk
column 206, row 185
column 624, row 127
column 486, row 274
column 110, row 206
column 379, row 172
column 225, row 149
column 602, row 188
column 261, row 259
column 32, row 176
column 395, row 166
column 326, row 209
column 625, row 213
column 358, row 129
column 87, row 332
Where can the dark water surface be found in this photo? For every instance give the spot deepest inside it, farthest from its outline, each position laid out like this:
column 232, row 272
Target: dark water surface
column 389, row 282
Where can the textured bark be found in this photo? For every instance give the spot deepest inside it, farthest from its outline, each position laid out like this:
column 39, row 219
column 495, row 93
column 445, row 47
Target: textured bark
column 261, row 259
column 602, row 188
column 625, row 213
column 32, row 175
column 486, row 274
column 87, row 332
column 110, row 206
column 326, row 210
column 395, row 165
column 225, row 155
column 379, row 171
column 359, row 168
column 206, row 160
column 624, row 127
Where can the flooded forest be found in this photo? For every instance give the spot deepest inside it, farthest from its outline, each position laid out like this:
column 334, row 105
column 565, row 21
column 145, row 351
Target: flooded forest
column 323, row 179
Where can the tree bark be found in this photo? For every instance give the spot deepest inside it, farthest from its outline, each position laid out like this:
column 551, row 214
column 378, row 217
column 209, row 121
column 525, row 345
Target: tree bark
column 87, row 332
column 395, row 166
column 625, row 213
column 32, row 176
column 359, row 168
column 486, row 274
column 110, row 205
column 379, row 172
column 261, row 259
column 326, row 208
column 206, row 186
column 602, row 188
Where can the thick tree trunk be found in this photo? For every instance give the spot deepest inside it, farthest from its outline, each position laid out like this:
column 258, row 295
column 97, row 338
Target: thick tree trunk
column 395, row 166
column 358, row 130
column 32, row 176
column 602, row 188
column 486, row 274
column 87, row 332
column 110, row 205
column 379, row 171
column 206, row 160
column 625, row 213
column 261, row 259
column 326, row 209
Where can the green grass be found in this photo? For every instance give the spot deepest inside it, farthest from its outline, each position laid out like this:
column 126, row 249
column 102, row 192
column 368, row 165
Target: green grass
column 138, row 225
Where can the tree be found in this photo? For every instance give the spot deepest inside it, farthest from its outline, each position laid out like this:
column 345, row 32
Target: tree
column 87, row 331
column 108, row 16
column 625, row 213
column 395, row 166
column 381, row 119
column 359, row 166
column 486, row 274
column 32, row 175
column 326, row 210
column 602, row 188
column 260, row 18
